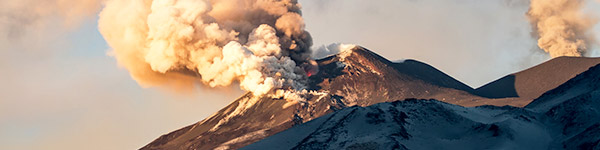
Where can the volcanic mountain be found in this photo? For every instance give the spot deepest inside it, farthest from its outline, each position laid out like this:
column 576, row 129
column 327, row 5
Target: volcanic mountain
column 567, row 117
column 351, row 79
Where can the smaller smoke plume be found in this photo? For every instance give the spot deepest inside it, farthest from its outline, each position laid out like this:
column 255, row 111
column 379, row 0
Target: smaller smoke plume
column 561, row 26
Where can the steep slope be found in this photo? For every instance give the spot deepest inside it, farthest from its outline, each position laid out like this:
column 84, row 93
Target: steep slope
column 533, row 82
column 428, row 73
column 566, row 117
column 354, row 77
column 245, row 120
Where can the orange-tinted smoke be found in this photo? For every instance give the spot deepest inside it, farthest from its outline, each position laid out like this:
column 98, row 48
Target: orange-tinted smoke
column 258, row 44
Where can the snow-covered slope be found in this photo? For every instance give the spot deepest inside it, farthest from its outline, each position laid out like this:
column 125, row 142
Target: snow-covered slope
column 415, row 124
column 575, row 106
column 567, row 117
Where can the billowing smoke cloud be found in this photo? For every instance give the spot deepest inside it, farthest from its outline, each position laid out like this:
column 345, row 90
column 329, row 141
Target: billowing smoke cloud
column 561, row 26
column 260, row 44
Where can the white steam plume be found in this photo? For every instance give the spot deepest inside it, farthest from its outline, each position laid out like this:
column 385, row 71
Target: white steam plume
column 561, row 26
column 260, row 44
column 331, row 49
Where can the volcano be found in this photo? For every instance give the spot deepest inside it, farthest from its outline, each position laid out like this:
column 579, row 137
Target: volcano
column 566, row 117
column 356, row 79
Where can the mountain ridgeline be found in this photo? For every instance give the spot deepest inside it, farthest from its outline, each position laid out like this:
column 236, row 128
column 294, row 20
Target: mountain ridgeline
column 357, row 91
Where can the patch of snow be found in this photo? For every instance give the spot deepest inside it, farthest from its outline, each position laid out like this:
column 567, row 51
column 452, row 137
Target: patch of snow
column 321, row 94
column 373, row 70
column 340, row 64
column 345, row 51
column 250, row 136
column 243, row 105
column 331, row 49
column 289, row 103
column 399, row 61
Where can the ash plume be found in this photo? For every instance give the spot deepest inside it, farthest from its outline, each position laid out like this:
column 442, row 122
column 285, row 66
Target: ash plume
column 260, row 44
column 561, row 26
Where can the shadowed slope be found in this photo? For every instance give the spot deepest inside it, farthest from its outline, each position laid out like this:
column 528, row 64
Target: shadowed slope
column 428, row 73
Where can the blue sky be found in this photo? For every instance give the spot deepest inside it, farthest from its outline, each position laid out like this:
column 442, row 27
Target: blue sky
column 60, row 89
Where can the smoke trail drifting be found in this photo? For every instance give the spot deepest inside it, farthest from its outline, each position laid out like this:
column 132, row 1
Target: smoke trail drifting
column 23, row 17
column 259, row 44
column 561, row 27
